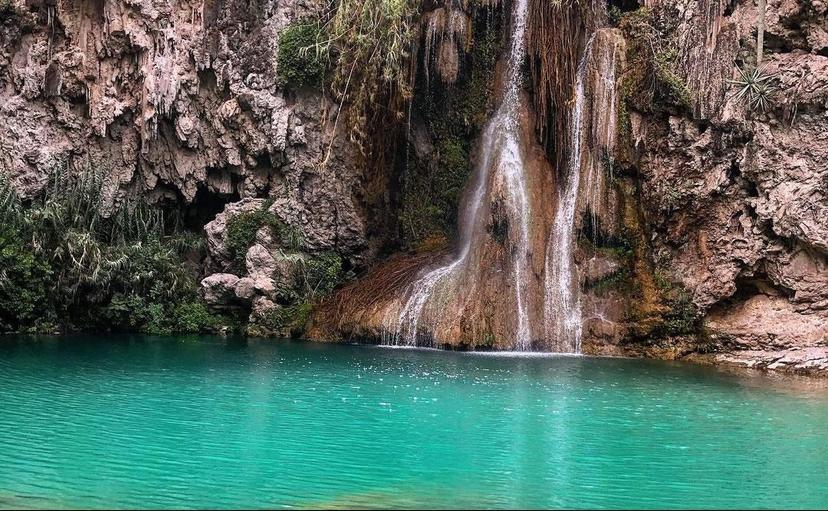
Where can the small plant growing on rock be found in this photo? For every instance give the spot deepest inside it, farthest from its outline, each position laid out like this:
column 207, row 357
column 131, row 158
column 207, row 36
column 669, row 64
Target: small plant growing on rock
column 242, row 229
column 650, row 83
column 755, row 88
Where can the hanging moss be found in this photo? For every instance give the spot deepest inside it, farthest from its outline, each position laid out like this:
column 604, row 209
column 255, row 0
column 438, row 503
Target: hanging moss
column 681, row 316
column 453, row 114
column 302, row 60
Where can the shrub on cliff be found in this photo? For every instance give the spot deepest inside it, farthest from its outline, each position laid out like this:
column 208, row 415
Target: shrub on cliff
column 302, row 58
column 650, row 84
column 242, row 229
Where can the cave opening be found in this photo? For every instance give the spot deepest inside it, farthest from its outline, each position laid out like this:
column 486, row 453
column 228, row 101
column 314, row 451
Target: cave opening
column 204, row 207
column 623, row 5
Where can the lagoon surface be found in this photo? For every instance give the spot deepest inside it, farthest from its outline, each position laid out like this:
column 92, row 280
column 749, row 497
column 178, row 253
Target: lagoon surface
column 151, row 422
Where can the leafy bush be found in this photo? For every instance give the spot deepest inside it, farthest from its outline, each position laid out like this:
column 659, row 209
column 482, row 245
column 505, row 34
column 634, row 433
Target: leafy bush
column 65, row 263
column 24, row 282
column 614, row 15
column 289, row 320
column 322, row 273
column 302, row 58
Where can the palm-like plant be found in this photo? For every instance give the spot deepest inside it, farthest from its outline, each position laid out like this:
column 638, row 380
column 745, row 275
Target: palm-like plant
column 9, row 202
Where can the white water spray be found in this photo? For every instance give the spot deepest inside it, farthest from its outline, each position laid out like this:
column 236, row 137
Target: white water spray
column 562, row 306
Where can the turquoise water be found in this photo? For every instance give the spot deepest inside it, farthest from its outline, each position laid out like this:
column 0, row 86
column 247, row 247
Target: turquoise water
column 132, row 422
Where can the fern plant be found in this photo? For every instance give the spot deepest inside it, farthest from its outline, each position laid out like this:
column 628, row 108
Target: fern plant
column 754, row 88
column 9, row 202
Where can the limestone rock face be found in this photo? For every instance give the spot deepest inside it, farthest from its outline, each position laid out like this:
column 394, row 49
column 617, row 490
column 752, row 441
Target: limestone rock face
column 177, row 101
column 737, row 201
column 219, row 288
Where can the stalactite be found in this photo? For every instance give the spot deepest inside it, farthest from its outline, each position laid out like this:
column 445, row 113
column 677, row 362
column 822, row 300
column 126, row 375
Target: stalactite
column 449, row 29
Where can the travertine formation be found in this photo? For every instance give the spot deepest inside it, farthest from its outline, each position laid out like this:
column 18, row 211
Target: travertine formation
column 178, row 101
column 737, row 202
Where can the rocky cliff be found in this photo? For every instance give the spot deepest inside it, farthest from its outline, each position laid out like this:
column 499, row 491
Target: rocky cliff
column 735, row 198
column 709, row 237
column 180, row 102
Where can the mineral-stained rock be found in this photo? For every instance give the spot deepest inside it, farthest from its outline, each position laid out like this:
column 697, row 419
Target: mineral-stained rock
column 737, row 200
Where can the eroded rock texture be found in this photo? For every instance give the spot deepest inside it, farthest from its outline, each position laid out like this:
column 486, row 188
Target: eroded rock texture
column 737, row 201
column 177, row 101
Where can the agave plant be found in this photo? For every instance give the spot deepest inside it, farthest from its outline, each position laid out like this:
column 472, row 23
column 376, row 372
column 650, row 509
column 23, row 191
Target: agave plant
column 755, row 87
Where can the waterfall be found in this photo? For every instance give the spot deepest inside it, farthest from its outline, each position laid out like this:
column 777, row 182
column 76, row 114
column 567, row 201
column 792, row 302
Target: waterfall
column 500, row 167
column 492, row 282
column 592, row 137
column 562, row 307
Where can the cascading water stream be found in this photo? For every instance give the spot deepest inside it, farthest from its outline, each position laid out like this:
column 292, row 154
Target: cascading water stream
column 501, row 165
column 592, row 138
column 562, row 307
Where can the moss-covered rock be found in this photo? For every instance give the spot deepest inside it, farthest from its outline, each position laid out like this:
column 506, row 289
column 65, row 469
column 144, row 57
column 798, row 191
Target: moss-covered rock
column 303, row 58
column 650, row 83
column 453, row 115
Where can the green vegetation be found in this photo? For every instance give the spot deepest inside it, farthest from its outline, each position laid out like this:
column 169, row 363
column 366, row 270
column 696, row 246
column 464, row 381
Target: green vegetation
column 66, row 266
column 614, row 15
column 755, row 88
column 242, row 229
column 370, row 43
column 681, row 316
column 454, row 114
column 320, row 274
column 650, row 84
column 302, row 59
column 314, row 277
column 283, row 320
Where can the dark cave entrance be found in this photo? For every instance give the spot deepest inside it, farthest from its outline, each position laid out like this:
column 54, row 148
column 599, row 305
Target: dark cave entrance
column 623, row 5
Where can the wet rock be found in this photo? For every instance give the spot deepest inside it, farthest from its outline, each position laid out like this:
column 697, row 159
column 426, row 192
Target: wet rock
column 810, row 360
